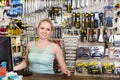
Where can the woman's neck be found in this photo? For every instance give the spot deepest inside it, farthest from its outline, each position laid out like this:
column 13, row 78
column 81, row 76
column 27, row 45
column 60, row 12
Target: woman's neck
column 43, row 41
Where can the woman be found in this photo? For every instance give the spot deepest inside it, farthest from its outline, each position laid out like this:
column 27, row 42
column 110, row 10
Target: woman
column 40, row 54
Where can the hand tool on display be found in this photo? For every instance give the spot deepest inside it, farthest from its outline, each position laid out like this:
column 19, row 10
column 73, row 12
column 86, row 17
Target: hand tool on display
column 92, row 2
column 32, row 6
column 50, row 3
column 84, row 34
column 87, row 3
column 101, row 16
column 94, row 67
column 44, row 3
column 91, row 20
column 26, row 6
column 106, row 1
column 69, row 6
column 73, row 4
column 108, row 67
column 97, row 2
column 111, row 2
column 111, row 36
column 87, row 20
column 77, row 24
column 83, row 20
column 109, row 14
column 100, row 36
column 82, row 3
column 81, row 67
column 29, row 6
column 90, row 37
column 101, row 1
column 36, row 5
column 76, row 32
column 55, row 3
column 73, row 18
column 96, row 19
column 47, row 3
column 59, row 32
column 94, row 35
column 105, row 35
column 83, row 51
column 78, row 4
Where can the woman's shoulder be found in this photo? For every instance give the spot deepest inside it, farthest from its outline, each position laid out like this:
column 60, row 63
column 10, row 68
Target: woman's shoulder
column 30, row 43
column 56, row 46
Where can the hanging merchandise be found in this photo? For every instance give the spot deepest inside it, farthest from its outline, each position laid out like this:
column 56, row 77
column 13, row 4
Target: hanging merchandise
column 116, row 41
column 109, row 14
column 15, row 10
column 77, row 24
column 107, row 67
column 83, row 52
column 94, row 35
column 91, row 20
column 78, row 4
column 100, row 35
column 2, row 2
column 73, row 4
column 82, row 3
column 83, row 20
column 83, row 36
column 111, row 37
column 101, row 18
column 95, row 67
column 7, row 3
column 13, row 28
column 96, row 19
column 97, row 52
column 117, row 67
column 90, row 37
column 81, row 67
column 69, row 4
column 87, row 20
column 105, row 35
column 73, row 18
column 114, row 53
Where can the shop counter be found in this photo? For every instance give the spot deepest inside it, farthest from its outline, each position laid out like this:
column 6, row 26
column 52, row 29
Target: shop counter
column 63, row 77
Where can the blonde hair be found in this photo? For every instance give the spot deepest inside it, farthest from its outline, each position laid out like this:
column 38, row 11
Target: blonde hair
column 47, row 20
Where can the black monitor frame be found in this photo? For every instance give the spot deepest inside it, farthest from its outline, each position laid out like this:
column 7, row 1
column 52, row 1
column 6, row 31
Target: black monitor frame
column 6, row 51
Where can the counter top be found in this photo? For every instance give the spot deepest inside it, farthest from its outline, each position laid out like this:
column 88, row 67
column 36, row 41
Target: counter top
column 63, row 77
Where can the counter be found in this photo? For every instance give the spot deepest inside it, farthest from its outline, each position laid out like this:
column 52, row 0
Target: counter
column 63, row 77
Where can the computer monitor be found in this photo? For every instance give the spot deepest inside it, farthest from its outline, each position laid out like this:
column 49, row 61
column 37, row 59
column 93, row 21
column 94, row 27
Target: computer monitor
column 6, row 52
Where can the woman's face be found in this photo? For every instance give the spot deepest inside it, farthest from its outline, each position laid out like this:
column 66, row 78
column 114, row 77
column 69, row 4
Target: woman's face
column 44, row 30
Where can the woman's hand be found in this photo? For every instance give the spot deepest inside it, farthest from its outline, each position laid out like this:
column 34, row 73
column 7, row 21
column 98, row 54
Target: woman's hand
column 67, row 72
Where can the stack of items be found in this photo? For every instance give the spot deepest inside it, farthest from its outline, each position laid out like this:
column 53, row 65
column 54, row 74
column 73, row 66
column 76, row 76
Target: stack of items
column 70, row 47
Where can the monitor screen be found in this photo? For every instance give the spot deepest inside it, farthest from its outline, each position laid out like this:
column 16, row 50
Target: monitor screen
column 6, row 52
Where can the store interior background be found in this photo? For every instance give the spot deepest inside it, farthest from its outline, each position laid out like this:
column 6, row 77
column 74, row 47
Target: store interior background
column 67, row 34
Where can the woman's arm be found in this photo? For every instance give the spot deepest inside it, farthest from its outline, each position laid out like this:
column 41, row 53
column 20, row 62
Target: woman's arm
column 23, row 63
column 61, row 60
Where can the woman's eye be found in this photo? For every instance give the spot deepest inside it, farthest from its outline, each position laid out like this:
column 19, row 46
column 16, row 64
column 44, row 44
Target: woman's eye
column 41, row 28
column 48, row 29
